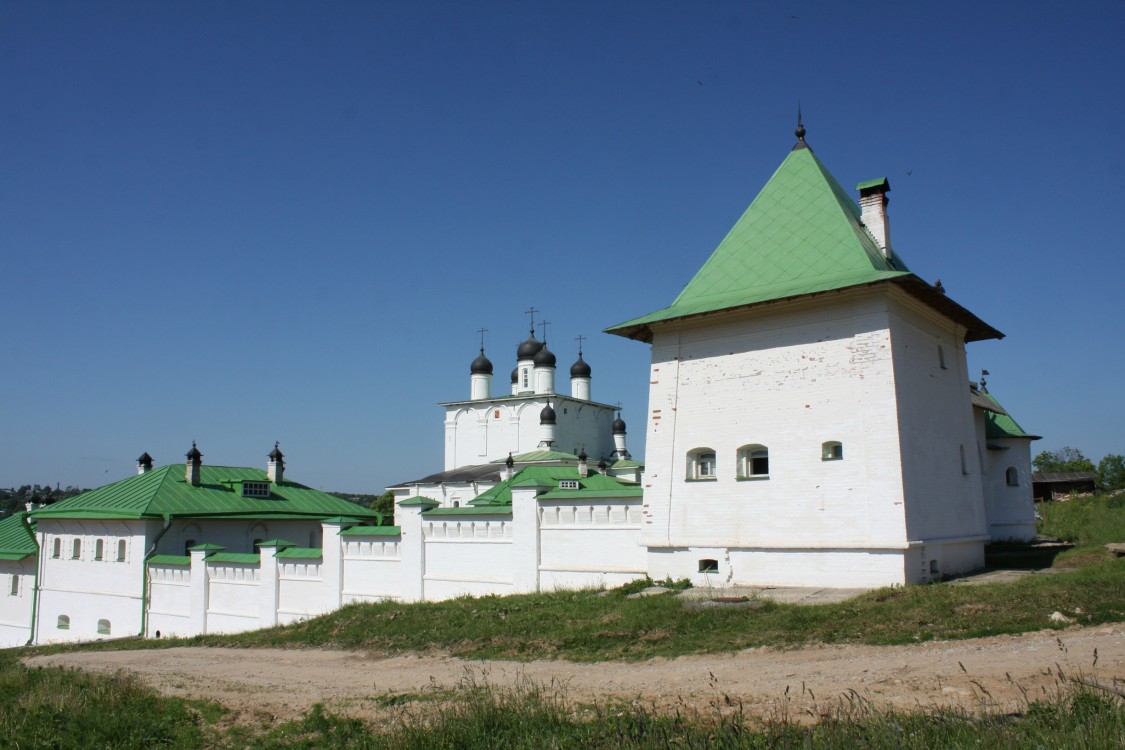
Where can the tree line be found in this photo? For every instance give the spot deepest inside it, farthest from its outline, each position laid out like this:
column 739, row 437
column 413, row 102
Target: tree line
column 15, row 499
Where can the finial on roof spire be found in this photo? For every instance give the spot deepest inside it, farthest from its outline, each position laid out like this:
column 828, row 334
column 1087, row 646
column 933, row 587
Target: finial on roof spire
column 800, row 131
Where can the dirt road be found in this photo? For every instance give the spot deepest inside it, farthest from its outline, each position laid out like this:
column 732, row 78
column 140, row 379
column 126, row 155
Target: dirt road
column 768, row 682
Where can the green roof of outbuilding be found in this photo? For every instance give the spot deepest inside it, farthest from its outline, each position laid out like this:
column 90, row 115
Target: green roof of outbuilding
column 164, row 492
column 1000, row 424
column 16, row 539
column 801, row 235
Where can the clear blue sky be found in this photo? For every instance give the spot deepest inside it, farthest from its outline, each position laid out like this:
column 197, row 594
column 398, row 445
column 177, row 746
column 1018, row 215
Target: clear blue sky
column 245, row 222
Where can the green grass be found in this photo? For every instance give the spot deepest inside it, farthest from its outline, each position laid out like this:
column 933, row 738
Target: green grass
column 67, row 708
column 1086, row 521
column 62, row 709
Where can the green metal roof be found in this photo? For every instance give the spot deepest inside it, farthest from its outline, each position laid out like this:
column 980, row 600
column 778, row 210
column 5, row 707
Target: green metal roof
column 164, row 493
column 16, row 539
column 303, row 553
column 476, row 510
column 277, row 543
column 537, row 456
column 547, row 478
column 1000, row 424
column 169, row 560
column 626, row 463
column 250, row 558
column 372, row 531
column 412, row 502
column 801, row 235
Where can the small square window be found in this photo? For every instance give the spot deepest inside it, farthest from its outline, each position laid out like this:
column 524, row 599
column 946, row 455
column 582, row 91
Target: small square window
column 255, row 489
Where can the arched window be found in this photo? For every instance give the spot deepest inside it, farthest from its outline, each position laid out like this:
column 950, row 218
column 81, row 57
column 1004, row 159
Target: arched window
column 15, row 590
column 1012, row 477
column 76, row 549
column 833, row 450
column 63, row 623
column 99, row 549
column 120, row 550
column 753, row 461
column 103, row 627
column 56, row 548
column 701, row 464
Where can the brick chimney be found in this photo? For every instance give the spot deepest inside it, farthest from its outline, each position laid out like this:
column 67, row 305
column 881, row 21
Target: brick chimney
column 275, row 469
column 194, row 461
column 873, row 212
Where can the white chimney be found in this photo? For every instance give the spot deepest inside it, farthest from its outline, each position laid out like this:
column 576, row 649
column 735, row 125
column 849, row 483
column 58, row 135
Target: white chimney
column 873, row 212
column 144, row 463
column 583, row 466
column 275, row 469
column 194, row 461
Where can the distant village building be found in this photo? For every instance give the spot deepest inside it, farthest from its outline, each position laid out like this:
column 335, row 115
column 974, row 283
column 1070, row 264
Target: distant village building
column 811, row 422
column 1062, row 484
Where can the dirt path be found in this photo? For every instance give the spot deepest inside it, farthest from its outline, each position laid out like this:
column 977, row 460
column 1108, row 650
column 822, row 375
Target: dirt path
column 284, row 683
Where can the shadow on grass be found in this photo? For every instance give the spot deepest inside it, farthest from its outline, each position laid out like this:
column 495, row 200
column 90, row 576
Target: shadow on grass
column 1023, row 555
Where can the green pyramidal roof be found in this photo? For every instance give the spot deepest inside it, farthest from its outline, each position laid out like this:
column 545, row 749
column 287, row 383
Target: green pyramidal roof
column 163, row 493
column 999, row 424
column 801, row 235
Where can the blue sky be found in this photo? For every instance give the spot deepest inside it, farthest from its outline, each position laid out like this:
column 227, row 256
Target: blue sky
column 245, row 222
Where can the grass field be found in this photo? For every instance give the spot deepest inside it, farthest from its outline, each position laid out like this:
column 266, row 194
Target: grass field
column 55, row 708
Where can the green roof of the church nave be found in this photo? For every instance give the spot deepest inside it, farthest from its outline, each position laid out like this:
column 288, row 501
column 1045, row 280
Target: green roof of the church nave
column 547, row 478
column 164, row 492
column 801, row 235
column 16, row 539
column 537, row 456
column 999, row 424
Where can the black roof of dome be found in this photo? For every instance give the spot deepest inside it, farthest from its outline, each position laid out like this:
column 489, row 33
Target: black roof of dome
column 580, row 369
column 515, row 374
column 547, row 416
column 529, row 348
column 276, row 454
column 619, row 426
column 194, row 453
column 481, row 365
column 544, row 357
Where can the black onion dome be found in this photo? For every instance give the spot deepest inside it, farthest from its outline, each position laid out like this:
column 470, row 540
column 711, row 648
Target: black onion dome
column 481, row 365
column 547, row 416
column 515, row 375
column 529, row 348
column 619, row 426
column 544, row 357
column 580, row 369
